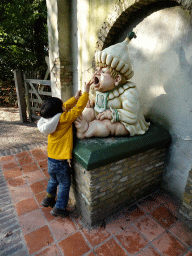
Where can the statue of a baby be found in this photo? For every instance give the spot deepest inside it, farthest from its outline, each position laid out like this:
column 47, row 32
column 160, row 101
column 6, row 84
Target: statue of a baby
column 117, row 107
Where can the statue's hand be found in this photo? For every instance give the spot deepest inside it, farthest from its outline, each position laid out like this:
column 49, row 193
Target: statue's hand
column 107, row 114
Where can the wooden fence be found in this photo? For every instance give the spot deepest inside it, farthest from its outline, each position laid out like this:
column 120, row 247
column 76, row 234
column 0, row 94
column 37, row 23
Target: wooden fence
column 35, row 92
column 30, row 95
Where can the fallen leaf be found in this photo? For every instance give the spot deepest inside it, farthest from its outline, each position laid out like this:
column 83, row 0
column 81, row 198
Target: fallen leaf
column 8, row 234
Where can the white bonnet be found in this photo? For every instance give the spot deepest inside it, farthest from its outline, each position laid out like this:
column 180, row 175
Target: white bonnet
column 117, row 57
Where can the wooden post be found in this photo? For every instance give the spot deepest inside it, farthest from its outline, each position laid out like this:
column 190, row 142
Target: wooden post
column 27, row 98
column 20, row 95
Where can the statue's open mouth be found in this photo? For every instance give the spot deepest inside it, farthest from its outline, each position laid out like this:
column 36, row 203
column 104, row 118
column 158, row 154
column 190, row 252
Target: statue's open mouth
column 96, row 81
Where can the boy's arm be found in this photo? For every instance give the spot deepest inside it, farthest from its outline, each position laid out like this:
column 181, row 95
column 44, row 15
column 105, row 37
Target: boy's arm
column 75, row 111
column 70, row 103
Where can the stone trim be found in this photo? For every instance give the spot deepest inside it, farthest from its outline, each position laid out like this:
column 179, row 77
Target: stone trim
column 96, row 152
column 16, row 150
column 186, row 207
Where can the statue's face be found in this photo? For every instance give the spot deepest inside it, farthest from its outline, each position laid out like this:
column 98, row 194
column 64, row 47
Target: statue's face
column 103, row 80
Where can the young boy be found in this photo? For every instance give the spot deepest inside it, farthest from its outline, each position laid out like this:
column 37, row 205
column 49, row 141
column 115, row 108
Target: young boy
column 56, row 121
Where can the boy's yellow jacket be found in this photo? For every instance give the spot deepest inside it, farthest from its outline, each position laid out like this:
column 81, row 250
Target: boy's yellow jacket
column 60, row 142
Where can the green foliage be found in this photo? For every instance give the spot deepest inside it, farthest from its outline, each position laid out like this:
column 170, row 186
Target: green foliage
column 23, row 36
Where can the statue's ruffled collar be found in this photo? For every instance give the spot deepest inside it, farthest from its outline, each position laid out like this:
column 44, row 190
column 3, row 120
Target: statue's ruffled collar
column 117, row 91
column 102, row 98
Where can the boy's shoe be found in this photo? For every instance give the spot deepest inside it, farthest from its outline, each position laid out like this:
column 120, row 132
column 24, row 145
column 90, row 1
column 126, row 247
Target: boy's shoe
column 48, row 201
column 59, row 212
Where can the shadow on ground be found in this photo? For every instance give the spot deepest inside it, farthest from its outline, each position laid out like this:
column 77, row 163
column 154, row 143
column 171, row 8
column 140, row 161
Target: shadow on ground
column 14, row 133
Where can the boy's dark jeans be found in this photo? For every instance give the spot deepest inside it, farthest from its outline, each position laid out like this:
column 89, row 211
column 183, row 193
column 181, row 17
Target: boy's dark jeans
column 60, row 174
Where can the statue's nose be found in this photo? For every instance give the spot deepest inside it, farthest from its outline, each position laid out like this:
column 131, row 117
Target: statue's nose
column 98, row 72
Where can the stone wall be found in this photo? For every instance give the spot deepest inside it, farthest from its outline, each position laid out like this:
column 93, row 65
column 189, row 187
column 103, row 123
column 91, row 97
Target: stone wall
column 60, row 54
column 62, row 75
column 104, row 190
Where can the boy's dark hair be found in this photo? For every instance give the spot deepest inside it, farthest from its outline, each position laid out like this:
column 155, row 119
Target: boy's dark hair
column 51, row 107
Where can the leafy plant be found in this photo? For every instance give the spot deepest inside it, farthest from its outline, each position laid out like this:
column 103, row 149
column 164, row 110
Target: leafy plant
column 23, row 36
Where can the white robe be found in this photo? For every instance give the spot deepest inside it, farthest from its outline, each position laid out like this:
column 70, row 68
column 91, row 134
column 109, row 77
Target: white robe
column 124, row 103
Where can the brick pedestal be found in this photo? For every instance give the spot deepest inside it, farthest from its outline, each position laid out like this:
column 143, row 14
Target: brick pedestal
column 120, row 180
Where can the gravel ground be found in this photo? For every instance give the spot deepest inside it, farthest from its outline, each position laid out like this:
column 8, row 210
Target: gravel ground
column 14, row 134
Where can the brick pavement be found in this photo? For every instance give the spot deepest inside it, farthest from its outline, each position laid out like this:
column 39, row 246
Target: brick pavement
column 148, row 227
column 14, row 139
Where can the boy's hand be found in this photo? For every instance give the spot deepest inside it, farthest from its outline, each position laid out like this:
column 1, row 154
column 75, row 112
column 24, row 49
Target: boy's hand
column 87, row 85
column 78, row 95
column 69, row 162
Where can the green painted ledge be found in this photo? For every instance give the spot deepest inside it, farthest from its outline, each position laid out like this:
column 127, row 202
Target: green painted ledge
column 96, row 152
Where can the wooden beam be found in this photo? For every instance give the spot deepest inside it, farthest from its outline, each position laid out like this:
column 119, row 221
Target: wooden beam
column 34, row 91
column 27, row 98
column 40, row 93
column 37, row 81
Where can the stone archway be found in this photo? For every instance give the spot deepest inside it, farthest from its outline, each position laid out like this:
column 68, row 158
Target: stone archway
column 125, row 11
column 123, row 14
